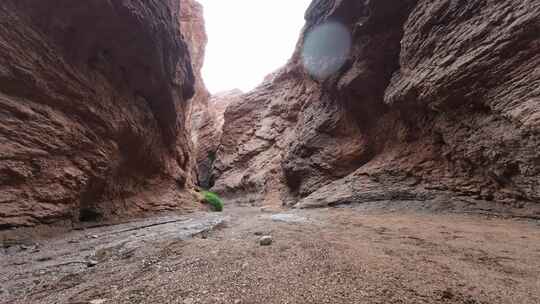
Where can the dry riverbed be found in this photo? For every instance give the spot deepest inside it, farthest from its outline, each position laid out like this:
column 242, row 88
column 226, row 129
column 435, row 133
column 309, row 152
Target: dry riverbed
column 340, row 255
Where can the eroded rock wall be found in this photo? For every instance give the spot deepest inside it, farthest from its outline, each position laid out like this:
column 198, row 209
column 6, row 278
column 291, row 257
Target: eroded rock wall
column 255, row 133
column 93, row 109
column 208, row 119
column 193, row 28
column 437, row 103
column 206, row 115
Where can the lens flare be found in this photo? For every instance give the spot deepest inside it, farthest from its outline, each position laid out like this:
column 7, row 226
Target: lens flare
column 326, row 48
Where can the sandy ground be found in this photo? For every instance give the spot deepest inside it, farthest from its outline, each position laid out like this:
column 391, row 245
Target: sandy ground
column 341, row 255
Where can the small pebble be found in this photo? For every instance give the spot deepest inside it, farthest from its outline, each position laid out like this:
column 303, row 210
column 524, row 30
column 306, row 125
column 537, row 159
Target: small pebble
column 265, row 240
column 91, row 263
column 25, row 247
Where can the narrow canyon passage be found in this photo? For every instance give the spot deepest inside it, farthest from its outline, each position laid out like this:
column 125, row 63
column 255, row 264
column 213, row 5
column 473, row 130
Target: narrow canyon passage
column 392, row 157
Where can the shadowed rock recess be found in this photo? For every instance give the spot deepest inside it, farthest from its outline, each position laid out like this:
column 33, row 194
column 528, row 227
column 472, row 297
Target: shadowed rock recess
column 437, row 104
column 93, row 110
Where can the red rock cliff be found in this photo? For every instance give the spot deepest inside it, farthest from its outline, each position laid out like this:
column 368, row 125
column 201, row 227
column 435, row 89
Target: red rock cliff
column 208, row 119
column 433, row 104
column 93, row 107
column 193, row 27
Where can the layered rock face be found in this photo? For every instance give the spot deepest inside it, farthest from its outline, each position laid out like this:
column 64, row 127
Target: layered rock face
column 434, row 102
column 208, row 119
column 93, row 107
column 206, row 115
column 256, row 132
column 193, row 28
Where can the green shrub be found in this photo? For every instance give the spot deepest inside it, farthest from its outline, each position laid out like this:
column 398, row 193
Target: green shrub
column 214, row 200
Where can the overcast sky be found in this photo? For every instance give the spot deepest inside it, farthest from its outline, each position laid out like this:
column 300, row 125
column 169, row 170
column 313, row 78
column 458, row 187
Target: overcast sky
column 248, row 39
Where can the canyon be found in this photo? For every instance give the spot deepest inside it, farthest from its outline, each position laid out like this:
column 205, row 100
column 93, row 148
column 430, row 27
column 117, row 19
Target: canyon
column 398, row 144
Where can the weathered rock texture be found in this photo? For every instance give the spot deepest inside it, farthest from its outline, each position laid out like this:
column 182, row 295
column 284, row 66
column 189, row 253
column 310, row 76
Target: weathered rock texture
column 256, row 132
column 206, row 116
column 93, row 109
column 438, row 101
column 208, row 119
column 193, row 28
